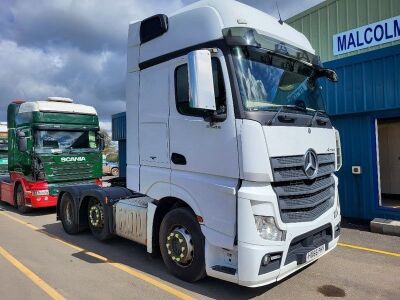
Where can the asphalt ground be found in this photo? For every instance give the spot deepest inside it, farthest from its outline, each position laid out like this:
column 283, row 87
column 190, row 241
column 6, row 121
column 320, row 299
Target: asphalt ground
column 38, row 260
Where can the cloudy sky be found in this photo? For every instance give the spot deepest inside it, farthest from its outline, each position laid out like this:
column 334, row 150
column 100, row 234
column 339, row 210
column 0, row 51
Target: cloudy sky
column 76, row 48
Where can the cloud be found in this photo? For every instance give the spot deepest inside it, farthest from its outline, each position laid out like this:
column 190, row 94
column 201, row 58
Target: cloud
column 77, row 49
column 69, row 48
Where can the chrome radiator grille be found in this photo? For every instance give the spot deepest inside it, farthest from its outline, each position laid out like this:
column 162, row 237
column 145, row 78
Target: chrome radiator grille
column 302, row 199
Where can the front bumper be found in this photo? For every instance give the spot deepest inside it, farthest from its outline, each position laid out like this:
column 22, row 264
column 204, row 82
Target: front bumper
column 41, row 201
column 301, row 238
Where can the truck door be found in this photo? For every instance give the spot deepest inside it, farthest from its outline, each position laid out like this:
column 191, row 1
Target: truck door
column 21, row 161
column 204, row 158
column 153, row 131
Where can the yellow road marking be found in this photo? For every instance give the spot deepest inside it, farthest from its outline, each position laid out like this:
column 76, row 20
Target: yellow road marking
column 369, row 249
column 136, row 273
column 32, row 276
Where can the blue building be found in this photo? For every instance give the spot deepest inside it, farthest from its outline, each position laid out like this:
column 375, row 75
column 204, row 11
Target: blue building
column 361, row 41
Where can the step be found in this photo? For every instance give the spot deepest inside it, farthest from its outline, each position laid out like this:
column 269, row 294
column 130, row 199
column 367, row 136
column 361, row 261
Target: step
column 385, row 226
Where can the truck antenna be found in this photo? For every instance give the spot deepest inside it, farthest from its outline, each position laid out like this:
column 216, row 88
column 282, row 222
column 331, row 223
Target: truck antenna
column 279, row 13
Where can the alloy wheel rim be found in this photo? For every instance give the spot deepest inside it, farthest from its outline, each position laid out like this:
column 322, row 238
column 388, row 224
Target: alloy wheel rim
column 180, row 246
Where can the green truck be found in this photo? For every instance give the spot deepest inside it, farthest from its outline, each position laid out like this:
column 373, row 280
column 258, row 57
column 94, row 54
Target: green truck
column 3, row 148
column 51, row 144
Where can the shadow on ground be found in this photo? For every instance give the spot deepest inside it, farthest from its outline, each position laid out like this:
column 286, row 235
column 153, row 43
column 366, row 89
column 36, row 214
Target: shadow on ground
column 133, row 255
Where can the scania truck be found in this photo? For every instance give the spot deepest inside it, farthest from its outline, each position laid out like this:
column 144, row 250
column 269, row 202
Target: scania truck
column 3, row 148
column 52, row 143
column 230, row 153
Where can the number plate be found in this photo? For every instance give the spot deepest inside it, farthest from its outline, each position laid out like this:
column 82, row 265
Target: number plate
column 315, row 253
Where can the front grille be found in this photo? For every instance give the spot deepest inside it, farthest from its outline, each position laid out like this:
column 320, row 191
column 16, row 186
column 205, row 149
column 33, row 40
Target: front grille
column 301, row 199
column 72, row 172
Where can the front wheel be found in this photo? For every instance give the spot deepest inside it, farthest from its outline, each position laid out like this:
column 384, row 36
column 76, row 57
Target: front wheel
column 20, row 200
column 182, row 245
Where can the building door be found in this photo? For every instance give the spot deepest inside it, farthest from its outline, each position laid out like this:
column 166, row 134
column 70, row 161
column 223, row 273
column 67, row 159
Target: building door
column 389, row 162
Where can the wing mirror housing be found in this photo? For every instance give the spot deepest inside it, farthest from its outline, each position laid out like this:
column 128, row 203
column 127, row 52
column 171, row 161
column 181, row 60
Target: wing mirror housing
column 331, row 75
column 102, row 144
column 201, row 82
column 22, row 141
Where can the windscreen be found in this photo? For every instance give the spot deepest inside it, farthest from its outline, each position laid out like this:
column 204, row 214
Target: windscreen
column 268, row 81
column 52, row 140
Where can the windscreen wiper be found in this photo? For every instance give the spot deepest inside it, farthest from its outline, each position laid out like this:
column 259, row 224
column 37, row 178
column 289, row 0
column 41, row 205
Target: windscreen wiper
column 270, row 122
column 314, row 116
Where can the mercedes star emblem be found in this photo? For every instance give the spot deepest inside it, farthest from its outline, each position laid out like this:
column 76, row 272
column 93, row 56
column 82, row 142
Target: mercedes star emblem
column 311, row 164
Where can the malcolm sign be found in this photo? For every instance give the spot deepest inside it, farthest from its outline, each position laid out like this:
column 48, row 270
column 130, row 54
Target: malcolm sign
column 367, row 36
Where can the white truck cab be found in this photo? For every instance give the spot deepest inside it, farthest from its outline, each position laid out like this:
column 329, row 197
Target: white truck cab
column 228, row 146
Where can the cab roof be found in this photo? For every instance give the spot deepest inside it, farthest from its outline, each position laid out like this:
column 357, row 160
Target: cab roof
column 58, row 105
column 202, row 22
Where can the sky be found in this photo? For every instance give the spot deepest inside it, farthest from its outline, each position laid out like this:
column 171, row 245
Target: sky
column 77, row 48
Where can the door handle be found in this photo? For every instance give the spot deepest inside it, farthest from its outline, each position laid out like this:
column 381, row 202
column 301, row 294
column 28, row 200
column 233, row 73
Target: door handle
column 178, row 159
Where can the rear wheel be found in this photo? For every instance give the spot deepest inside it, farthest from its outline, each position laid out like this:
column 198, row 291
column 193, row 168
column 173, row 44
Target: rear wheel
column 114, row 171
column 97, row 222
column 20, row 200
column 182, row 245
column 68, row 218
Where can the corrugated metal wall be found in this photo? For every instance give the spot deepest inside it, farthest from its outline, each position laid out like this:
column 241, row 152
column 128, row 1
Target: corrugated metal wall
column 359, row 195
column 367, row 82
column 118, row 126
column 321, row 22
column 368, row 89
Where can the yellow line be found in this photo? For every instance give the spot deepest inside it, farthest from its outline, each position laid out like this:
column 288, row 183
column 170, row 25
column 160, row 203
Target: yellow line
column 136, row 273
column 369, row 249
column 32, row 276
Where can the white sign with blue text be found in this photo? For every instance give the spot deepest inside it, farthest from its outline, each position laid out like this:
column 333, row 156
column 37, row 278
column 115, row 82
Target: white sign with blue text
column 367, row 36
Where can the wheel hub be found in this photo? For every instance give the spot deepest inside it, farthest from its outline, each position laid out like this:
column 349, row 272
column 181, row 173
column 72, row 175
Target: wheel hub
column 180, row 246
column 96, row 216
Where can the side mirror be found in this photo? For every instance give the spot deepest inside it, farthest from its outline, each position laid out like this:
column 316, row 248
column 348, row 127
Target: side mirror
column 201, row 82
column 101, row 143
column 329, row 74
column 22, row 142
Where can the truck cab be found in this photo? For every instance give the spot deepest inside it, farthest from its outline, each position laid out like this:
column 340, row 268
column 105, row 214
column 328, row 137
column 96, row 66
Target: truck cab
column 229, row 149
column 52, row 143
column 3, row 148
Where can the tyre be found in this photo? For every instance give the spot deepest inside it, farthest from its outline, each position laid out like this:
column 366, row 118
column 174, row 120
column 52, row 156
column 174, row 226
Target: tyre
column 97, row 222
column 20, row 200
column 68, row 214
column 115, row 172
column 182, row 245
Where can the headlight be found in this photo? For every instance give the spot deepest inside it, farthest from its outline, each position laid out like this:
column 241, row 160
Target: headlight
column 40, row 193
column 338, row 151
column 268, row 230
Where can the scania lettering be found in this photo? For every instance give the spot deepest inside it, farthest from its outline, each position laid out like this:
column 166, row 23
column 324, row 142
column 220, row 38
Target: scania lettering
column 230, row 154
column 52, row 143
column 73, row 159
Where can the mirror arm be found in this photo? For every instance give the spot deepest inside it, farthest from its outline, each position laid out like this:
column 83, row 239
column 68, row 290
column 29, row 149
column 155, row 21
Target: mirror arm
column 215, row 118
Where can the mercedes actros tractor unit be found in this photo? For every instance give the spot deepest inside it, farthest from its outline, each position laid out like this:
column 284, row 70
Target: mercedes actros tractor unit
column 230, row 154
column 51, row 144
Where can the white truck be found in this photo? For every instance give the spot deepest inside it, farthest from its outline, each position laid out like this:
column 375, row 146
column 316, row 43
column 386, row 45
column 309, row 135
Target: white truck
column 231, row 157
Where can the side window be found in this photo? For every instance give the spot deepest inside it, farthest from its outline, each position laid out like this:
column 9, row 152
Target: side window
column 182, row 90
